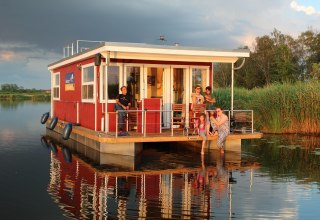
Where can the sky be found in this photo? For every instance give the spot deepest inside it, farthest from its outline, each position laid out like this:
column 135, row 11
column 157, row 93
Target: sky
column 34, row 32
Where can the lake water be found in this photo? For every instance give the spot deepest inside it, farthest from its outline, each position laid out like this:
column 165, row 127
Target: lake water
column 276, row 177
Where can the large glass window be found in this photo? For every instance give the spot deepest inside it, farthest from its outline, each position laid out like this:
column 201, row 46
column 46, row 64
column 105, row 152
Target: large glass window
column 179, row 81
column 56, row 86
column 113, row 81
column 199, row 77
column 133, row 83
column 88, row 83
column 155, row 82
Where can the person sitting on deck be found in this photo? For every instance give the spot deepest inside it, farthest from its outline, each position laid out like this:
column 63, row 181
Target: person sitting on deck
column 221, row 125
column 122, row 103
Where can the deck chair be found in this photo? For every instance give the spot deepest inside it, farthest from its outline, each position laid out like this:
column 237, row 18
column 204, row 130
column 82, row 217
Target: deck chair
column 132, row 120
column 196, row 111
column 179, row 116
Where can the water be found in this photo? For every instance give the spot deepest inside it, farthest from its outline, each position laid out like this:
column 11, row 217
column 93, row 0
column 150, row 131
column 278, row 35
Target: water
column 276, row 177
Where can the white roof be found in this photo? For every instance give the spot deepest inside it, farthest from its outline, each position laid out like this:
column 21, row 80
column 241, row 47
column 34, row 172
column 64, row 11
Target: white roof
column 142, row 51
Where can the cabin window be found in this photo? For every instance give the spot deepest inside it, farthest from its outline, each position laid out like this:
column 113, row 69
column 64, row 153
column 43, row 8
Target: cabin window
column 199, row 77
column 179, row 85
column 155, row 82
column 56, row 86
column 113, row 81
column 133, row 83
column 88, row 83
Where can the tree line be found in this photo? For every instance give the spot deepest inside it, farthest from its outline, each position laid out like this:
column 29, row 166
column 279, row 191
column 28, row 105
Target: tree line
column 14, row 88
column 275, row 58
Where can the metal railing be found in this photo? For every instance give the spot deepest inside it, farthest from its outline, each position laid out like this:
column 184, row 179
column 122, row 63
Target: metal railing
column 234, row 120
column 76, row 47
column 165, row 122
column 142, row 118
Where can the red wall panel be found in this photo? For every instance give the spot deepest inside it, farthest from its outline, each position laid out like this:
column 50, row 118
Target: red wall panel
column 66, row 108
column 86, row 113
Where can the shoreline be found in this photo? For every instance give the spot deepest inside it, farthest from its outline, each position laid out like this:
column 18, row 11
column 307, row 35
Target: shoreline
column 25, row 96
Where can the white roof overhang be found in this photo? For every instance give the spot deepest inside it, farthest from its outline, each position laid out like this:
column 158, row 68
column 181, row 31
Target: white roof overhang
column 155, row 52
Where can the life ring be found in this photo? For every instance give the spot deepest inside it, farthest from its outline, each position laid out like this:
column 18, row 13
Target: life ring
column 67, row 131
column 44, row 118
column 53, row 123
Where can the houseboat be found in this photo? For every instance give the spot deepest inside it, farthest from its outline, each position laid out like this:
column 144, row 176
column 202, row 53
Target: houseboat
column 160, row 80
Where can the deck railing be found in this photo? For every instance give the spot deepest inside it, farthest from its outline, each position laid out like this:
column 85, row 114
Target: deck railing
column 240, row 121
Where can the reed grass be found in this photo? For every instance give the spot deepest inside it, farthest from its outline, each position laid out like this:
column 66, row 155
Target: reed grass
column 279, row 108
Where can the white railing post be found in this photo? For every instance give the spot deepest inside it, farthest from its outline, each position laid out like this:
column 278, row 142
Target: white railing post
column 77, row 112
column 116, row 123
column 72, row 49
column 251, row 121
column 127, row 121
column 144, row 123
column 229, row 120
column 77, row 46
column 171, row 122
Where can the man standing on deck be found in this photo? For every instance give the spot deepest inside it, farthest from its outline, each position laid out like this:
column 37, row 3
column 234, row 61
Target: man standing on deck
column 122, row 103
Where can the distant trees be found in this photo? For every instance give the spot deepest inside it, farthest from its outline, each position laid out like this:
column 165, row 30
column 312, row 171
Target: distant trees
column 276, row 58
column 9, row 87
column 14, row 88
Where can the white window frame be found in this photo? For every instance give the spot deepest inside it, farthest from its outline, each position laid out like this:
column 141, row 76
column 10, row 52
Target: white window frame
column 141, row 75
column 56, row 85
column 89, row 83
column 207, row 76
column 102, row 70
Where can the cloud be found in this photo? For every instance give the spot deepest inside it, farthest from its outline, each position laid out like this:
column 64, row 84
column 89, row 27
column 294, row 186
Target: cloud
column 309, row 10
column 247, row 39
column 6, row 55
column 34, row 32
column 25, row 64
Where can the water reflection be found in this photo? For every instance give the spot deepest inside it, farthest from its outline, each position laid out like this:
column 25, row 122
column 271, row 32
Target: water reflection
column 175, row 182
column 11, row 105
column 277, row 177
column 84, row 191
column 289, row 156
column 14, row 105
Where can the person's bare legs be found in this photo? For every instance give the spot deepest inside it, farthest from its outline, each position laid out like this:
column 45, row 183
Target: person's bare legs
column 202, row 148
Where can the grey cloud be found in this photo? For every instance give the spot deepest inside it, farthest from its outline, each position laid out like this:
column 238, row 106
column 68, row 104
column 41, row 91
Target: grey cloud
column 36, row 30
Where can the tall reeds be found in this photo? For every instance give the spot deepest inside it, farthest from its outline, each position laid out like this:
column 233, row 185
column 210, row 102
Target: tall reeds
column 279, row 108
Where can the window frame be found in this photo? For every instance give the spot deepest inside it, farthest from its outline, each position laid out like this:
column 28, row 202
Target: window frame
column 207, row 69
column 141, row 89
column 91, row 100
column 56, row 85
column 102, row 71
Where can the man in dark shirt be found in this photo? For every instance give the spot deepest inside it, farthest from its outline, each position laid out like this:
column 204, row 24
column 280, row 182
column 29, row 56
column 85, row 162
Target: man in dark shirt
column 122, row 103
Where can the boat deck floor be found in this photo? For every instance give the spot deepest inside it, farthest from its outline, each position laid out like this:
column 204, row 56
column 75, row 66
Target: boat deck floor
column 164, row 136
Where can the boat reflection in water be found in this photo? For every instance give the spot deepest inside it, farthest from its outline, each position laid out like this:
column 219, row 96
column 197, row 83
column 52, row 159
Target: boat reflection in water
column 160, row 186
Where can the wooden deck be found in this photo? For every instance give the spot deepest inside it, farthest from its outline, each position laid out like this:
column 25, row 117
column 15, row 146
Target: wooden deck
column 165, row 136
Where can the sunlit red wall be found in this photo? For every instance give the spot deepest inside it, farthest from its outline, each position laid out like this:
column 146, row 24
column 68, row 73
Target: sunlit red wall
column 66, row 108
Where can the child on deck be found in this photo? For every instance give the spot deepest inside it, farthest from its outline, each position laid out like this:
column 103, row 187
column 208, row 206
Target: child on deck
column 202, row 130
